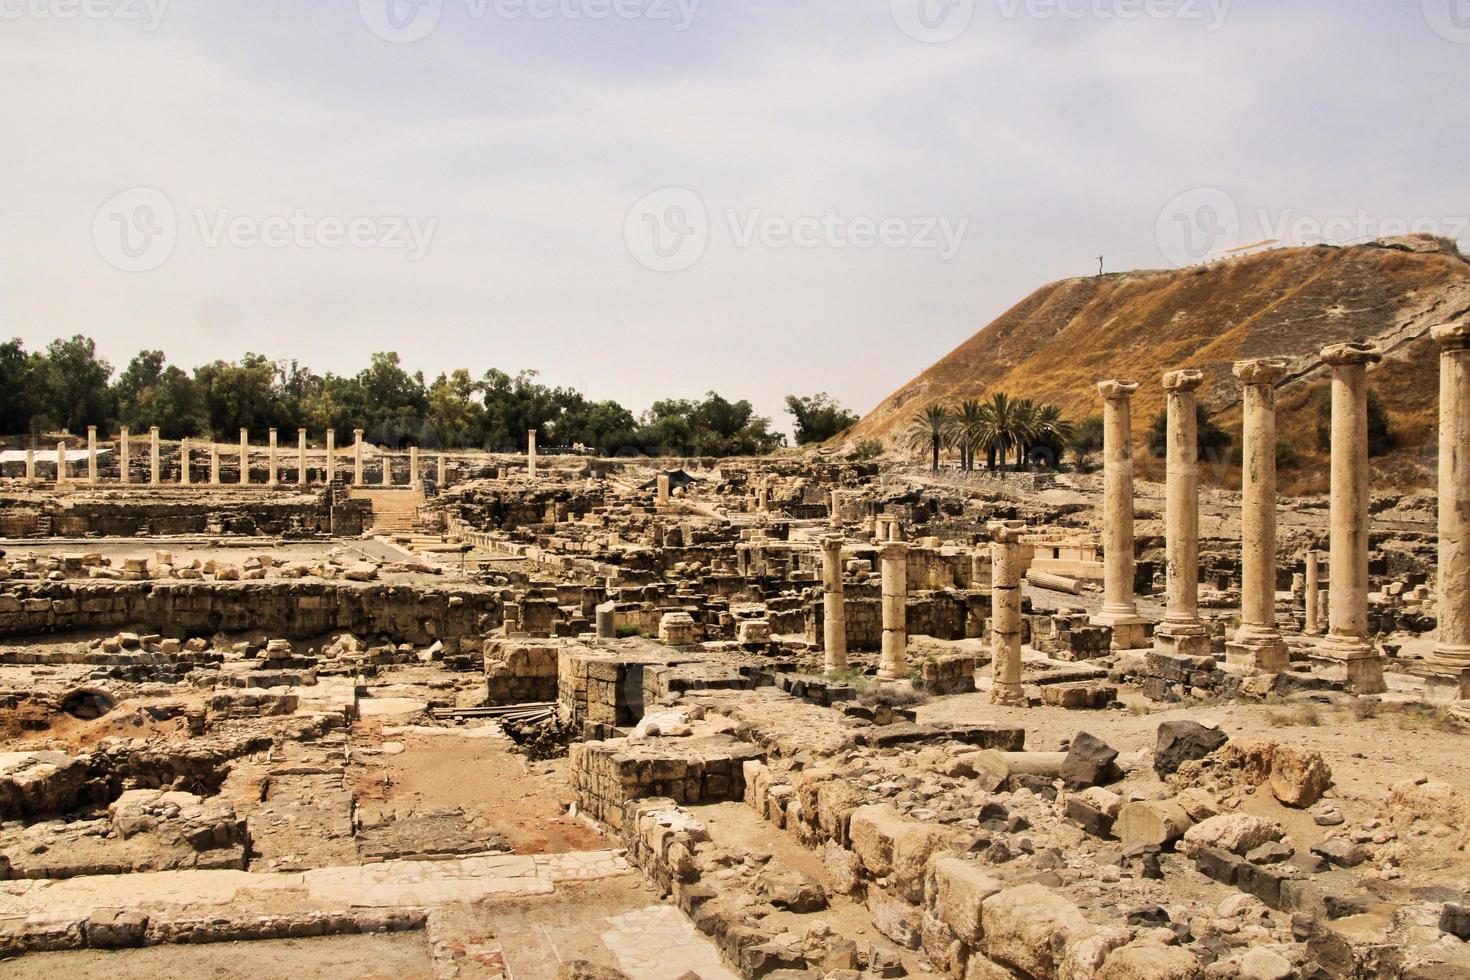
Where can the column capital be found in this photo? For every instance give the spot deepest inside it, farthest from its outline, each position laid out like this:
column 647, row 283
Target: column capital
column 301, row 432
column 1452, row 336
column 1116, row 390
column 1344, row 355
column 832, row 543
column 1184, row 380
column 91, row 429
column 1261, row 371
column 1006, row 532
column 894, row 550
column 153, row 430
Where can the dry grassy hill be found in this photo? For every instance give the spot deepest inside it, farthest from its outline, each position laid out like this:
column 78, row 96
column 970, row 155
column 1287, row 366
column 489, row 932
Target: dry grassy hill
column 1059, row 341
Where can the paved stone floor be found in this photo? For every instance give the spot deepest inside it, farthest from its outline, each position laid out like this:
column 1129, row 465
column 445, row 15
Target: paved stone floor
column 661, row 943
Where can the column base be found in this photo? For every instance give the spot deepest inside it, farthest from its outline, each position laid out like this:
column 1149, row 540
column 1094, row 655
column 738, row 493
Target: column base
column 1354, row 662
column 1007, row 694
column 1129, row 632
column 1189, row 640
column 1443, row 686
column 1265, row 656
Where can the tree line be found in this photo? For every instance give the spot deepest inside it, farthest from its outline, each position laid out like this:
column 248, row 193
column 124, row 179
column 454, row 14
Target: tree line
column 67, row 386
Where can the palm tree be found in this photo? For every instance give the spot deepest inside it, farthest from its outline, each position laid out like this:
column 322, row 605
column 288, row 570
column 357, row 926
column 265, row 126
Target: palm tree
column 968, row 421
column 931, row 430
column 1004, row 426
column 1050, row 430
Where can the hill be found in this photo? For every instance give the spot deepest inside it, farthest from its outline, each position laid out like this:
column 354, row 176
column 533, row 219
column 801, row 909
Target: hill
column 1058, row 342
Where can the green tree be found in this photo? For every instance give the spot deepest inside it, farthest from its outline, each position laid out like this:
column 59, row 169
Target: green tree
column 69, row 385
column 15, row 388
column 1380, row 435
column 238, row 395
column 1086, row 438
column 930, row 430
column 818, row 418
column 968, row 421
column 1212, row 442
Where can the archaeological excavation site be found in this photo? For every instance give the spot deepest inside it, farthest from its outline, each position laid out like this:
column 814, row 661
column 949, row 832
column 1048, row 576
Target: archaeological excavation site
column 325, row 707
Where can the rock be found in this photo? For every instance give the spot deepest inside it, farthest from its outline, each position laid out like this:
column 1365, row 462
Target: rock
column 583, row 970
column 116, row 929
column 956, row 892
column 1160, row 823
column 1033, row 929
column 1340, row 852
column 1271, row 852
column 1149, row 960
column 1455, row 920
column 1261, row 963
column 1233, row 832
column 791, row 890
column 1299, row 777
column 1179, row 742
column 1090, row 762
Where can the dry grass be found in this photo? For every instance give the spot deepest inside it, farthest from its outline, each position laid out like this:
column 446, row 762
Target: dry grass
column 1295, row 715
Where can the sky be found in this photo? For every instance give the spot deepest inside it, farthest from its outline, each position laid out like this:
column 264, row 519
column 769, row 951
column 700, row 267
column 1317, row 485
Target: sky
column 645, row 199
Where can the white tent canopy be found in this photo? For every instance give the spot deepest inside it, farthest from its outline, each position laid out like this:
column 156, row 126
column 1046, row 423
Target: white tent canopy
column 44, row 455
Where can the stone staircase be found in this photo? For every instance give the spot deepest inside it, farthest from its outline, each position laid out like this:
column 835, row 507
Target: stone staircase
column 395, row 511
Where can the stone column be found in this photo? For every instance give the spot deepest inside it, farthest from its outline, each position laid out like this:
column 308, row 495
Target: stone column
column 214, row 464
column 331, row 455
column 1449, row 662
column 1258, row 645
column 271, row 465
column 663, row 490
column 301, row 457
column 1352, row 657
column 763, row 494
column 91, row 454
column 387, row 469
column 834, row 516
column 1181, row 631
column 244, row 456
column 834, row 608
column 1119, row 611
column 1312, row 601
column 413, row 467
column 1005, row 612
column 443, row 473
column 184, row 462
column 893, row 661
column 531, row 454
column 31, row 463
column 60, row 462
column 123, row 455
column 153, row 460
column 357, row 457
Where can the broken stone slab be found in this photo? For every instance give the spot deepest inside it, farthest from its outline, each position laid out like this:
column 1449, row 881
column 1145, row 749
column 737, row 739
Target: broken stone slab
column 1157, row 822
column 1235, row 833
column 1299, row 777
column 1089, row 762
column 1179, row 742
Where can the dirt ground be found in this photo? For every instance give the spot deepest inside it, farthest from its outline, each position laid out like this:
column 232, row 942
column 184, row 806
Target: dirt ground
column 390, row 956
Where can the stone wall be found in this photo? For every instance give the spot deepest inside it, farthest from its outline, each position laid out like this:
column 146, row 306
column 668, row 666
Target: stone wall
column 295, row 610
column 519, row 671
column 607, row 775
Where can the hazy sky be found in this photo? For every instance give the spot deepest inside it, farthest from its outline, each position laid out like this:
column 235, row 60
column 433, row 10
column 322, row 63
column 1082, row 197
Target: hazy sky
column 647, row 198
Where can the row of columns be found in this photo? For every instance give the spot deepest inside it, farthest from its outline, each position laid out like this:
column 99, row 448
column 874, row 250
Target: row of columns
column 273, row 467
column 1258, row 644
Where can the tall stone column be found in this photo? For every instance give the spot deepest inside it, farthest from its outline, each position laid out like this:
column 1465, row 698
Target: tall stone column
column 357, row 457
column 1005, row 612
column 1119, row 611
column 214, row 464
column 531, row 454
column 1257, row 645
column 663, row 490
column 184, row 462
column 60, row 462
column 91, row 454
column 153, row 459
column 31, row 464
column 1352, row 656
column 834, row 512
column 1449, row 662
column 1312, row 625
column 443, row 473
column 413, row 467
column 834, row 607
column 123, row 455
column 331, row 455
column 1182, row 631
column 244, row 456
column 893, row 660
column 387, row 470
column 271, row 468
column 301, row 457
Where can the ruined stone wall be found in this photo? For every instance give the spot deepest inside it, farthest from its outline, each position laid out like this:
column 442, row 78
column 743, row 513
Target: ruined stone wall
column 520, row 671
column 942, row 615
column 292, row 610
column 608, row 775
